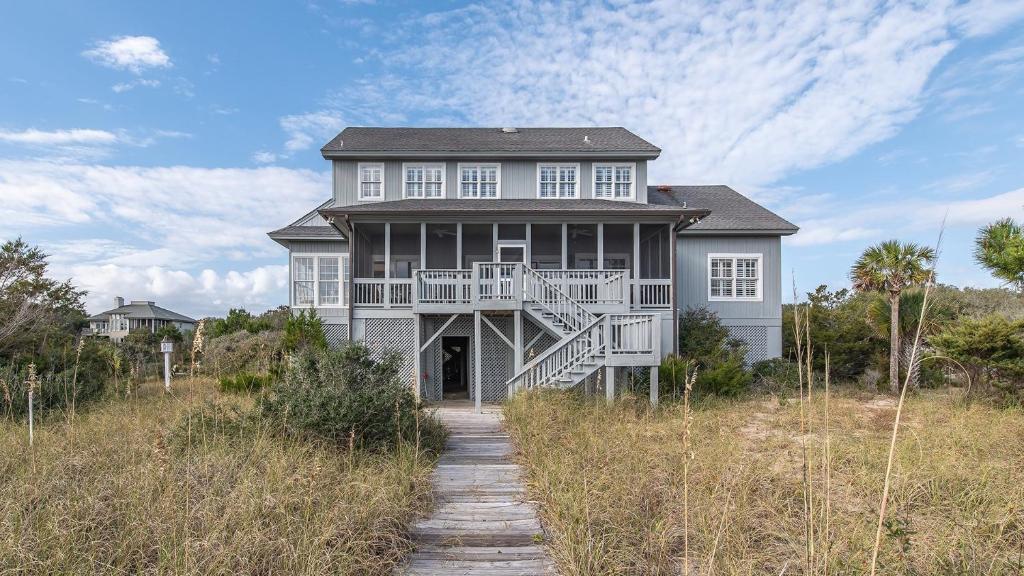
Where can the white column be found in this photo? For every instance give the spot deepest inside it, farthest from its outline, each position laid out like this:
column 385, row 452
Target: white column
column 529, row 243
column 387, row 250
column 565, row 245
column 423, row 245
column 654, row 386
column 494, row 240
column 517, row 317
column 636, row 266
column 476, row 359
column 609, row 386
column 600, row 245
column 458, row 244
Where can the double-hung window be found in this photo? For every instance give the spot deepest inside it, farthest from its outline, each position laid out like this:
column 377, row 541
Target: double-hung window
column 479, row 180
column 371, row 181
column 614, row 181
column 557, row 180
column 423, row 180
column 734, row 277
column 319, row 280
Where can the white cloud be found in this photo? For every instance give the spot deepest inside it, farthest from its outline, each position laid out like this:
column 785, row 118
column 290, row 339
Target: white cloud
column 741, row 93
column 35, row 137
column 264, row 157
column 126, row 86
column 132, row 53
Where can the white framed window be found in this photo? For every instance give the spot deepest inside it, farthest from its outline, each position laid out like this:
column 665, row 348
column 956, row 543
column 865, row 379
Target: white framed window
column 319, row 280
column 371, row 181
column 557, row 180
column 423, row 180
column 479, row 180
column 735, row 277
column 615, row 180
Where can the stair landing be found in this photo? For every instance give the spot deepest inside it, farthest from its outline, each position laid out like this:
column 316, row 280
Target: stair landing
column 482, row 522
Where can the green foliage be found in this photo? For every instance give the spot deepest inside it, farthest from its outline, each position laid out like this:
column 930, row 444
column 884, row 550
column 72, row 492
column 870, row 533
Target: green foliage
column 332, row 395
column 999, row 248
column 776, row 374
column 892, row 266
column 838, row 323
column 58, row 388
column 305, row 331
column 239, row 320
column 672, row 376
column 39, row 316
column 990, row 348
column 244, row 382
column 727, row 377
column 244, row 352
column 702, row 338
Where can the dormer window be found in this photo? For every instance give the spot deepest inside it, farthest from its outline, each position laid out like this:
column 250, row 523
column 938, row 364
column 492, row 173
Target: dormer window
column 423, row 181
column 479, row 180
column 557, row 180
column 614, row 181
column 371, row 181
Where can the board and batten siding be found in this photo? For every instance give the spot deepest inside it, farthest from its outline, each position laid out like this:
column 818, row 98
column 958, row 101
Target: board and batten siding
column 518, row 178
column 332, row 315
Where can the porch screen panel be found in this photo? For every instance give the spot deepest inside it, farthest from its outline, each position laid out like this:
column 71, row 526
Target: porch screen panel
column 370, row 251
column 546, row 246
column 581, row 246
column 618, row 247
column 477, row 244
column 442, row 246
column 511, row 231
column 405, row 249
column 655, row 251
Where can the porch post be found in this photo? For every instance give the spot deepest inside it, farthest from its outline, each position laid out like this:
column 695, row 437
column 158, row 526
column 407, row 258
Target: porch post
column 600, row 245
column 609, row 385
column 494, row 241
column 654, row 386
column 517, row 317
column 636, row 266
column 458, row 245
column 417, row 327
column 387, row 265
column 476, row 359
column 565, row 245
column 423, row 245
column 529, row 243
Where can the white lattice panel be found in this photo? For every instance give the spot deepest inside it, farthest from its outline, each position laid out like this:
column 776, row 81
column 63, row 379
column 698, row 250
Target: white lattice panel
column 530, row 331
column 336, row 335
column 756, row 339
column 386, row 334
column 497, row 360
column 462, row 326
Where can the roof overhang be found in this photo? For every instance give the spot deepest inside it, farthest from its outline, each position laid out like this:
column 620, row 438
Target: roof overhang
column 477, row 154
column 733, row 232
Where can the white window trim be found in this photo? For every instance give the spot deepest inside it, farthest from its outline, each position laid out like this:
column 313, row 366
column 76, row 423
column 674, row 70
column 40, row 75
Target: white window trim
column 760, row 277
column 359, row 181
column 497, row 175
column 342, row 284
column 557, row 165
column 444, row 179
column 613, row 165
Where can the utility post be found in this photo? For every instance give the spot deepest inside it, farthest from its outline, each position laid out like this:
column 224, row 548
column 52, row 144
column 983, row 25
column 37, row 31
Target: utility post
column 167, row 346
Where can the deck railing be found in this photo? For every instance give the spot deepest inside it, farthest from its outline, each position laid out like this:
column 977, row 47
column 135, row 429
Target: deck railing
column 591, row 286
column 444, row 286
column 382, row 292
column 652, row 294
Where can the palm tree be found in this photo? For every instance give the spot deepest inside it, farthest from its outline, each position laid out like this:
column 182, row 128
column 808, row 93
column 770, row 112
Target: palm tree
column 891, row 267
column 1000, row 248
column 940, row 312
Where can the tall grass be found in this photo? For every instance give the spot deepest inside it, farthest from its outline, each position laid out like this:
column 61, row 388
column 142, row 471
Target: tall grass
column 134, row 495
column 610, row 480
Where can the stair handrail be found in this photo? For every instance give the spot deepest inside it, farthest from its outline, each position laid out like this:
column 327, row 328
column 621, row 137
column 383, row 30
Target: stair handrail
column 567, row 307
column 570, row 352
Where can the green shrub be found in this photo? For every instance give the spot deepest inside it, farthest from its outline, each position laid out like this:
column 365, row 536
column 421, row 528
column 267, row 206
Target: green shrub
column 57, row 389
column 337, row 395
column 991, row 349
column 245, row 382
column 304, row 331
column 244, row 352
column 775, row 374
column 726, row 378
column 672, row 376
column 702, row 338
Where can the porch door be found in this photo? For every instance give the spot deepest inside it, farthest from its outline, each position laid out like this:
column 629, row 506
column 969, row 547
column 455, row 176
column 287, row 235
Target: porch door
column 509, row 252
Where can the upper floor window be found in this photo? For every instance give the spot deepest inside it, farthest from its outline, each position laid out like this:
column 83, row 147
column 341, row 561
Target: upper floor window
column 319, row 280
column 479, row 180
column 371, row 181
column 734, row 277
column 423, row 181
column 557, row 180
column 614, row 181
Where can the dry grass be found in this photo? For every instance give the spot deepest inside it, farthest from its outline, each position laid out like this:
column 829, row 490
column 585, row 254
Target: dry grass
column 124, row 496
column 610, row 481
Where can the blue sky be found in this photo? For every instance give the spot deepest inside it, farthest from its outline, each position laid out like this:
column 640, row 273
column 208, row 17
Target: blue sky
column 148, row 147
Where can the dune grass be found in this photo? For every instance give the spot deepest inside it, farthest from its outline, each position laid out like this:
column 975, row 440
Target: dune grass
column 610, row 483
column 125, row 491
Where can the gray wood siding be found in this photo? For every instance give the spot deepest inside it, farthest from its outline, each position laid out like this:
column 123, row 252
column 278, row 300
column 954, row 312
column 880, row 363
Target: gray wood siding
column 692, row 272
column 332, row 315
column 518, row 178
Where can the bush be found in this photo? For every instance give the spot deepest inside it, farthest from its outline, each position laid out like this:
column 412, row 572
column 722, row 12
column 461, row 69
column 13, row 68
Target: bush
column 702, row 338
column 991, row 349
column 305, row 331
column 776, row 374
column 672, row 376
column 245, row 352
column 726, row 378
column 244, row 382
column 338, row 395
column 57, row 389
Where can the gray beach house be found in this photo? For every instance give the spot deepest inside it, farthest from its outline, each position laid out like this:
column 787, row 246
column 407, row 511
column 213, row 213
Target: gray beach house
column 500, row 259
column 136, row 316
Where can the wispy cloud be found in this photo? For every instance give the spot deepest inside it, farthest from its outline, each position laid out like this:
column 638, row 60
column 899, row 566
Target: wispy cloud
column 304, row 130
column 133, row 53
column 58, row 137
column 126, row 86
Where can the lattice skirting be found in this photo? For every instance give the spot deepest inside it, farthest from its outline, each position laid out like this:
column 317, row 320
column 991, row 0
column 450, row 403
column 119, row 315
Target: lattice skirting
column 530, row 331
column 393, row 334
column 336, row 335
column 756, row 338
column 497, row 358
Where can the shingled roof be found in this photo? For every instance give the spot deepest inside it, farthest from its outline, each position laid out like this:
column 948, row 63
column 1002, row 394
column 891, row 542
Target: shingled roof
column 730, row 210
column 592, row 141
column 143, row 309
column 506, row 205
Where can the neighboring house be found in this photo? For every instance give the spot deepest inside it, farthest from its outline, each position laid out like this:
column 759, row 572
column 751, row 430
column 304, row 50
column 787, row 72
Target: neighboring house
column 496, row 259
column 137, row 316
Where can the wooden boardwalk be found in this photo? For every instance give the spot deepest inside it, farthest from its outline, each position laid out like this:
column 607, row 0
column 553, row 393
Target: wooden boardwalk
column 481, row 522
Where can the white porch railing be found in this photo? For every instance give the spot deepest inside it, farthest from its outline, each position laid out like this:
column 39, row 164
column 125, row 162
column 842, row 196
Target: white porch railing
column 591, row 286
column 537, row 288
column 444, row 286
column 652, row 293
column 382, row 292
